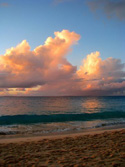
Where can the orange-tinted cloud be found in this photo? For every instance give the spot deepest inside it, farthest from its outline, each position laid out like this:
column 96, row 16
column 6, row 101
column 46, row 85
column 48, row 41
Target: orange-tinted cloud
column 102, row 75
column 46, row 71
column 22, row 68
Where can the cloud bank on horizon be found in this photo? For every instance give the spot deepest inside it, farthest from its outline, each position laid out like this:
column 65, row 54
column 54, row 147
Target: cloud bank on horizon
column 46, row 71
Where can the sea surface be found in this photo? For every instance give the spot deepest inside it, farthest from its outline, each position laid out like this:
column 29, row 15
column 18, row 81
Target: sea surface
column 45, row 115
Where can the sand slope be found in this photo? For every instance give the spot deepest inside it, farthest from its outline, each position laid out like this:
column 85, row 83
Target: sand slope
column 96, row 150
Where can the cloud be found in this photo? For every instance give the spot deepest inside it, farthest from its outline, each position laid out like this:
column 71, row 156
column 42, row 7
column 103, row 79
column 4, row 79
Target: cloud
column 111, row 8
column 4, row 4
column 103, row 76
column 46, row 70
column 22, row 68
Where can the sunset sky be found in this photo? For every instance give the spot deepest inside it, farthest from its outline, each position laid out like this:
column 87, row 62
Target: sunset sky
column 62, row 47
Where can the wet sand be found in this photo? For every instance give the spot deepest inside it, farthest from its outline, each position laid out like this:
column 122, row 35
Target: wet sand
column 95, row 149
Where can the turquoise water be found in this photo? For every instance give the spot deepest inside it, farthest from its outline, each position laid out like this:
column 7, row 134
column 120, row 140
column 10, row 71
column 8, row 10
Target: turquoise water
column 57, row 114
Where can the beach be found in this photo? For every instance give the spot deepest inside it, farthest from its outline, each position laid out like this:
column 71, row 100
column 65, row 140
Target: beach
column 99, row 149
column 62, row 132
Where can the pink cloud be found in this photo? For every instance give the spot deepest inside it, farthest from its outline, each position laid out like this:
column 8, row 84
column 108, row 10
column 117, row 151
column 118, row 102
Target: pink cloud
column 46, row 70
column 22, row 68
column 4, row 4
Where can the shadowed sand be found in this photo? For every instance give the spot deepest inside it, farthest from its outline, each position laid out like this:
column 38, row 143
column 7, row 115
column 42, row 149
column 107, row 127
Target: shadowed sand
column 98, row 149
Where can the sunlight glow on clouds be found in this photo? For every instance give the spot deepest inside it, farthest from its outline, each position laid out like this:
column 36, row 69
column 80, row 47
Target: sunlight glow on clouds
column 46, row 71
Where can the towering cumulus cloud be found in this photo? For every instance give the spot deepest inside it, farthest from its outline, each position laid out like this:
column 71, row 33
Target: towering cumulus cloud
column 46, row 71
column 102, row 77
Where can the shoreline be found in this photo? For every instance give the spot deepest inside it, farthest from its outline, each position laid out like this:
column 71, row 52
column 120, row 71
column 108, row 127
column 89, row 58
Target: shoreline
column 33, row 137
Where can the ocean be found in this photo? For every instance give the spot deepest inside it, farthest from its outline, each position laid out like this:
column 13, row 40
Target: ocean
column 49, row 115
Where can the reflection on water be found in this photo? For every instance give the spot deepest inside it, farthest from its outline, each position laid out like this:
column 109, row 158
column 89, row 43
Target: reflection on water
column 55, row 105
column 92, row 105
column 34, row 105
column 112, row 108
column 59, row 105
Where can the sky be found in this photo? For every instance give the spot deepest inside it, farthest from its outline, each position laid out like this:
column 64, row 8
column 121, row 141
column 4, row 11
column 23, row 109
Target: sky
column 62, row 47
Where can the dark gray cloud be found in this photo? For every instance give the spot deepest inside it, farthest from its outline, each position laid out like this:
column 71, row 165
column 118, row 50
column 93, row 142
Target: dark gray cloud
column 112, row 8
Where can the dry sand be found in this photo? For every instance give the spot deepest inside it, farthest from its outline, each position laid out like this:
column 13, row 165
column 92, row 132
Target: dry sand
column 100, row 149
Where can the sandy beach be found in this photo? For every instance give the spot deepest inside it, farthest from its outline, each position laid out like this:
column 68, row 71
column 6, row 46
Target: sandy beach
column 99, row 149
